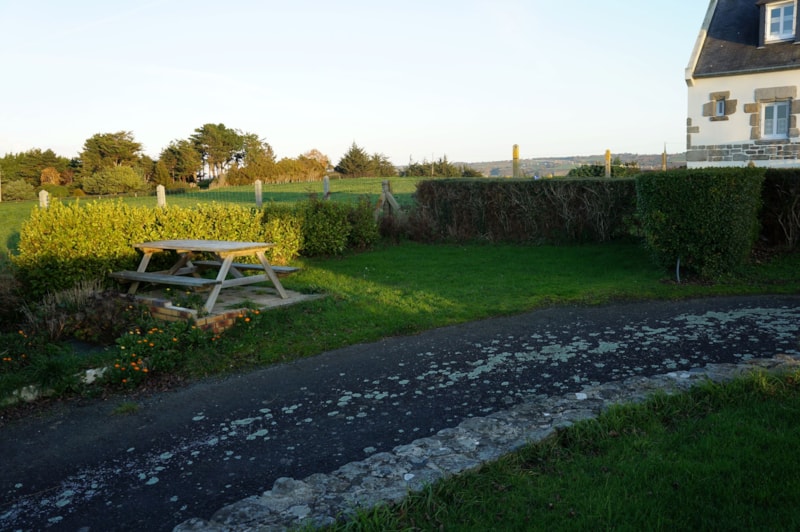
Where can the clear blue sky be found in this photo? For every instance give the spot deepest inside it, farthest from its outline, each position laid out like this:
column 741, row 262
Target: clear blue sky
column 411, row 78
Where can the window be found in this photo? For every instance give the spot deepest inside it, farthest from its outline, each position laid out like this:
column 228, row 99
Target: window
column 780, row 21
column 776, row 120
column 720, row 108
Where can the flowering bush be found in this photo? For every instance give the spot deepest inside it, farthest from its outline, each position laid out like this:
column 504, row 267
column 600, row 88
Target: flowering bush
column 155, row 348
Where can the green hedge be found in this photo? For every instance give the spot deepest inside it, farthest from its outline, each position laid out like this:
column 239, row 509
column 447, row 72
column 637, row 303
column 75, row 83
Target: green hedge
column 509, row 210
column 706, row 218
column 781, row 214
column 67, row 243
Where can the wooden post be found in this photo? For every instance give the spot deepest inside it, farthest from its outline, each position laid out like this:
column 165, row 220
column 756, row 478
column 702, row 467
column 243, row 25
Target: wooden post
column 259, row 199
column 608, row 163
column 664, row 159
column 161, row 195
column 515, row 161
column 44, row 199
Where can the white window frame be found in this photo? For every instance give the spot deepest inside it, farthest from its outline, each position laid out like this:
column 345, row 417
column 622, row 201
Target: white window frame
column 719, row 107
column 772, row 128
column 777, row 14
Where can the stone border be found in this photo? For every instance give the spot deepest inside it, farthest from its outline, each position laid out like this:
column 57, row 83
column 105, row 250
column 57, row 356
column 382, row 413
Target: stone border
column 382, row 478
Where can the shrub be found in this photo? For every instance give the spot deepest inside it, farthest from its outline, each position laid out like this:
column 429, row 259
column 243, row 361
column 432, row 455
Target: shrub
column 781, row 213
column 18, row 190
column 114, row 180
column 325, row 227
column 707, row 219
column 363, row 228
column 283, row 226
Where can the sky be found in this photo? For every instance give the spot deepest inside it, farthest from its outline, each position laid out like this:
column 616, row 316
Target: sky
column 413, row 80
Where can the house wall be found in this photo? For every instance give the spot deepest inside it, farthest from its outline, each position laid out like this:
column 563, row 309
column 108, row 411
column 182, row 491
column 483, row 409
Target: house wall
column 735, row 139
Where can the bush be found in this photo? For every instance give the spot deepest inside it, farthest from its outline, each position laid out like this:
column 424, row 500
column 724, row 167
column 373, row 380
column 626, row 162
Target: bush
column 115, row 180
column 707, row 219
column 781, row 213
column 282, row 226
column 325, row 227
column 18, row 190
column 363, row 228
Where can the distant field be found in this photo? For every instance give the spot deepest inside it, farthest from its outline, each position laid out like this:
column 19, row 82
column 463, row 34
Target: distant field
column 13, row 214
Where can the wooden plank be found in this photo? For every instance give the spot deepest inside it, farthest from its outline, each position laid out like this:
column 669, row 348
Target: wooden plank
column 280, row 270
column 162, row 278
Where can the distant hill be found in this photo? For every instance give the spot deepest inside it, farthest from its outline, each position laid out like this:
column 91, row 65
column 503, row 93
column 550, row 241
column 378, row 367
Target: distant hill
column 559, row 166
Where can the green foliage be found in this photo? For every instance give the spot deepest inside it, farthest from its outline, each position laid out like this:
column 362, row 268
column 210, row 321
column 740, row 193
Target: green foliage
column 109, row 150
column 707, row 218
column 154, row 348
column 523, row 210
column 781, row 213
column 363, row 231
column 325, row 227
column 114, row 180
column 29, row 165
column 67, row 243
column 357, row 163
column 282, row 226
column 18, row 190
column 440, row 168
column 618, row 169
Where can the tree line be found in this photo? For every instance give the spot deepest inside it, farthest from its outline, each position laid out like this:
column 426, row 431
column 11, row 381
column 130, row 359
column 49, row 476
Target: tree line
column 113, row 163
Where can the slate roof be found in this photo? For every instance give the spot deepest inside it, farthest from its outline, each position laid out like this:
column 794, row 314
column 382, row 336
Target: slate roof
column 731, row 45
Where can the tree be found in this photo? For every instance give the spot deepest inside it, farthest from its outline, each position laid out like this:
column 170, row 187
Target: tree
column 109, row 150
column 218, row 146
column 355, row 163
column 382, row 166
column 182, row 160
column 29, row 165
column 470, row 172
column 440, row 168
column 50, row 176
column 318, row 156
column 114, row 180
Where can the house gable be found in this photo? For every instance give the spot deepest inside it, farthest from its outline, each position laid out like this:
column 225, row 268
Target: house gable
column 735, row 42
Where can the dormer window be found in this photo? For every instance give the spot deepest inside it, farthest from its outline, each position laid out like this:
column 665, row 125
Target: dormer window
column 780, row 20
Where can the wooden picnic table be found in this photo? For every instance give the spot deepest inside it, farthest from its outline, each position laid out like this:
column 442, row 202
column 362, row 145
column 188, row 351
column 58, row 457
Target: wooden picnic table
column 185, row 271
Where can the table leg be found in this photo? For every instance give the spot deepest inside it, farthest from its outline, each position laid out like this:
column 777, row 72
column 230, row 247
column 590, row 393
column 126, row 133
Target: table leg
column 221, row 276
column 141, row 268
column 271, row 274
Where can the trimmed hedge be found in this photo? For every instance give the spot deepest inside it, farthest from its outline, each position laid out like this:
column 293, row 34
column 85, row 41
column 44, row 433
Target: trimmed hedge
column 67, row 243
column 706, row 218
column 538, row 211
column 781, row 213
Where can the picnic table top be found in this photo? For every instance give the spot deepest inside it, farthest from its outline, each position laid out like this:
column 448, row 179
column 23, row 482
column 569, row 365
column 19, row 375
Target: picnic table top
column 214, row 246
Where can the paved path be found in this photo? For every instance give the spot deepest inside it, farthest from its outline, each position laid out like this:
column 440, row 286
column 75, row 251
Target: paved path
column 188, row 453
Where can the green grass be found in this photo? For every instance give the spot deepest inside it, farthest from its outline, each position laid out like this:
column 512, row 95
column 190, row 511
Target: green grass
column 719, row 457
column 405, row 289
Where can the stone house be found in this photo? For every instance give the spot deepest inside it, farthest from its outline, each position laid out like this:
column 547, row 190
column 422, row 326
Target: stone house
column 744, row 80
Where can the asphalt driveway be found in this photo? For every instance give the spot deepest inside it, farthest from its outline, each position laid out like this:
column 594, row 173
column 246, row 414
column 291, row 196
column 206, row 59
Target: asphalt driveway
column 189, row 452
